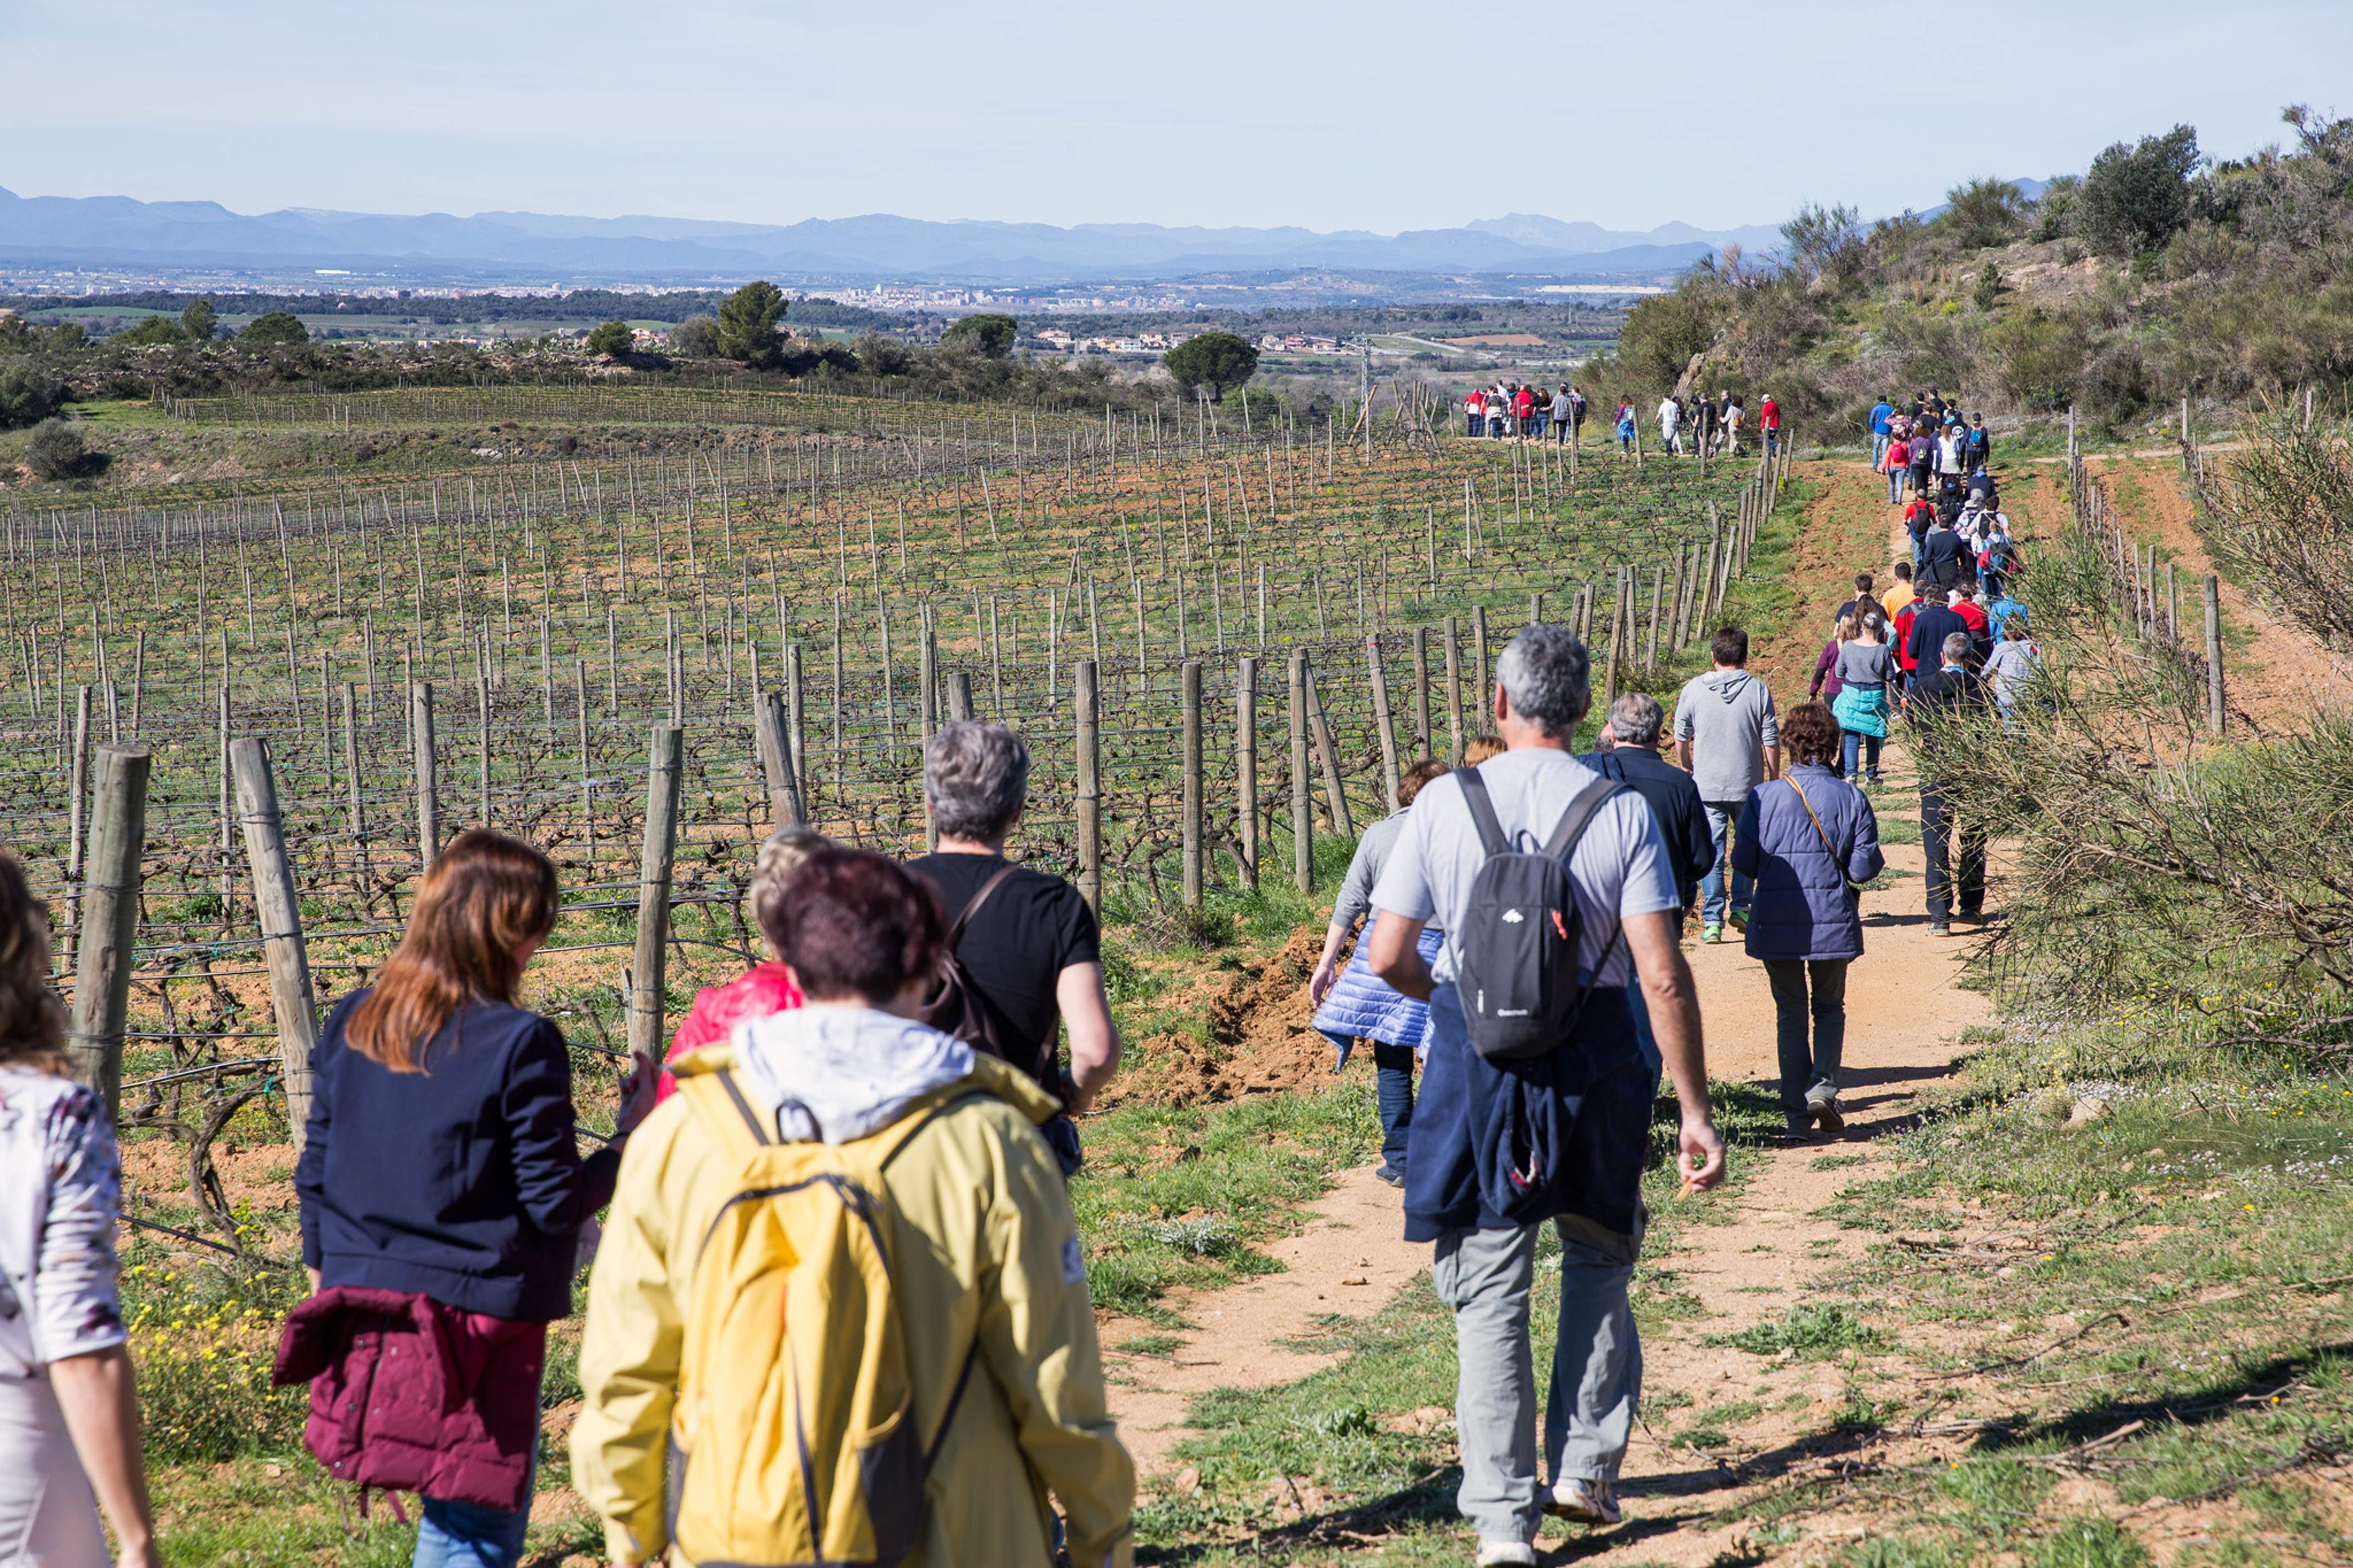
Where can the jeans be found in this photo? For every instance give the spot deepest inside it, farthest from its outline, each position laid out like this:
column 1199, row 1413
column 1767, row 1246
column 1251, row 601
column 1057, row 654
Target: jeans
column 1894, row 486
column 1393, row 1069
column 1851, row 743
column 1477, row 423
column 471, row 1535
column 1721, row 815
column 1638, row 1006
column 1936, row 833
column 1802, row 1069
column 1878, row 448
column 1486, row 1275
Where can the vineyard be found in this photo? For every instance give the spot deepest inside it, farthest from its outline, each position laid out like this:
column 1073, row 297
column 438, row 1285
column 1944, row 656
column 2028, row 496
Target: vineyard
column 265, row 713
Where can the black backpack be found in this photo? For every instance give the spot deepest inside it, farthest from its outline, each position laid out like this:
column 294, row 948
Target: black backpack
column 1518, row 941
column 958, row 1007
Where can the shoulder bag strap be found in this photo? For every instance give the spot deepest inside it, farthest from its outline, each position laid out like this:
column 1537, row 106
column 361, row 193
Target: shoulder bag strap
column 722, row 1108
column 1820, row 832
column 955, row 931
column 1483, row 811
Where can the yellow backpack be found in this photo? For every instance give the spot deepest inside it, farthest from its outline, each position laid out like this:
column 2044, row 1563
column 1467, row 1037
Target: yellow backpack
column 792, row 1439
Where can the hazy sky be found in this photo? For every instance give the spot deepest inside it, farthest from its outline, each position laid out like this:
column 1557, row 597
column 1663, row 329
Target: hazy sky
column 1374, row 114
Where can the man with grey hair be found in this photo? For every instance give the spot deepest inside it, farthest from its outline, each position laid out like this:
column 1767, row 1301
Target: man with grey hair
column 1034, row 961
column 1629, row 751
column 1499, row 1148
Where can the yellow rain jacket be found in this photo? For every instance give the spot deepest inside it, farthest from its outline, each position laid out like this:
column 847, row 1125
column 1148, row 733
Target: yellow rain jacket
column 986, row 1249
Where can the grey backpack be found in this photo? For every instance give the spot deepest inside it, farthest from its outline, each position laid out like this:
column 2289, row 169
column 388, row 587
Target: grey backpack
column 1518, row 941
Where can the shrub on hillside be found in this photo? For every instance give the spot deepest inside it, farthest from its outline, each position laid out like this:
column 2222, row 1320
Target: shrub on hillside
column 274, row 327
column 613, row 339
column 56, row 450
column 988, row 334
column 29, row 394
column 2138, row 196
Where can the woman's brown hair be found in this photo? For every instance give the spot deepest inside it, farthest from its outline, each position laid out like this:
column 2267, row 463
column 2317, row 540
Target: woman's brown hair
column 485, row 897
column 1420, row 773
column 1809, row 733
column 31, row 1019
column 858, row 923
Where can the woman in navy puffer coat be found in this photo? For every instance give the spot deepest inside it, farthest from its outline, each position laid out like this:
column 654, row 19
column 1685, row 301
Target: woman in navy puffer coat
column 1805, row 838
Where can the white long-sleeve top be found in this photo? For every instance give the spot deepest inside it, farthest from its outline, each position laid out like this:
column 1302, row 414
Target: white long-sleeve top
column 60, row 1194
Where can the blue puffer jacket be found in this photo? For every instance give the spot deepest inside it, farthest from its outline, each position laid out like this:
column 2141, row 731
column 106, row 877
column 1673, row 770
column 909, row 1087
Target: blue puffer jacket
column 1802, row 908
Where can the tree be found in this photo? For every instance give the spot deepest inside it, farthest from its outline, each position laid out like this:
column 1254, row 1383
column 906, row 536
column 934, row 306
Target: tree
column 56, row 451
column 274, row 327
column 2136, row 196
column 989, row 336
column 199, row 321
column 1824, row 242
column 1983, row 212
column 1212, row 362
column 29, row 394
column 747, row 323
column 152, row 331
column 697, row 337
column 612, row 340
column 879, row 355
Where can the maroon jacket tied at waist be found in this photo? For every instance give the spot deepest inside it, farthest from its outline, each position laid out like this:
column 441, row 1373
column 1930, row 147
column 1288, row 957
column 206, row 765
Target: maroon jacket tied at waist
column 407, row 1395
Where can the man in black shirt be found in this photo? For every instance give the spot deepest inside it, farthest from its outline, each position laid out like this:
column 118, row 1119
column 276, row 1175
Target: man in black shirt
column 1030, row 950
column 1950, row 692
column 1629, row 751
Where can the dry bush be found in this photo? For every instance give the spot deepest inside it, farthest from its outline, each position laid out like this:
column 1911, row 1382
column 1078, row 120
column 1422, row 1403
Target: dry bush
column 2278, row 519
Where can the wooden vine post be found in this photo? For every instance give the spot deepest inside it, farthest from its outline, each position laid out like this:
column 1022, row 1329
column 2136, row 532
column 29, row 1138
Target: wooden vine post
column 778, row 763
column 1246, row 770
column 110, row 922
column 1191, row 825
column 1087, row 697
column 648, row 972
column 428, row 788
column 276, row 902
column 1303, row 829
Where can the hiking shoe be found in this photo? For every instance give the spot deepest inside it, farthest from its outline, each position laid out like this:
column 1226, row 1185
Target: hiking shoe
column 1581, row 1500
column 1825, row 1112
column 1711, row 933
column 1939, row 927
column 1740, row 920
column 1507, row 1554
column 1798, row 1129
column 1390, row 1177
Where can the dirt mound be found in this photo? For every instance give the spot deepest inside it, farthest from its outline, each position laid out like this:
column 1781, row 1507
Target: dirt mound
column 1260, row 1038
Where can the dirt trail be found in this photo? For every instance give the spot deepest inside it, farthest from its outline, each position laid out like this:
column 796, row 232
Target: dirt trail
column 1904, row 1015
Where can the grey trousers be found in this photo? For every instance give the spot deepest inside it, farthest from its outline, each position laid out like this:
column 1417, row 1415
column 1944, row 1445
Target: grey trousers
column 1486, row 1277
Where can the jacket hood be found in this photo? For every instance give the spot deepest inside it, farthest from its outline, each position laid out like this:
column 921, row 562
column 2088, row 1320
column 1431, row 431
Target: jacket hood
column 1727, row 684
column 835, row 1074
column 838, row 1074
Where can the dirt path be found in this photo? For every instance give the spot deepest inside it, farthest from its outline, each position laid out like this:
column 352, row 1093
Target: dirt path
column 1904, row 1015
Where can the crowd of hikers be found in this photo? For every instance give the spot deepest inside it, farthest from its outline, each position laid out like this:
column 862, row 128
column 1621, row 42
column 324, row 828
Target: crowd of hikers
column 837, row 1304
column 1695, row 423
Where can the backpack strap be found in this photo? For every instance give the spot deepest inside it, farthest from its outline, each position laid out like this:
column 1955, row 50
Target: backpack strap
column 1483, row 811
column 1579, row 815
column 955, row 931
column 724, row 1110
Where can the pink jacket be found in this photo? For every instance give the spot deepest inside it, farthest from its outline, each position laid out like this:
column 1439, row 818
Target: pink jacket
column 409, row 1395
column 766, row 988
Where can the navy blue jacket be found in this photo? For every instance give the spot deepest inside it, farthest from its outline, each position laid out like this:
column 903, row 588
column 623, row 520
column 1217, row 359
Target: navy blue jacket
column 1930, row 627
column 1802, row 908
column 460, row 1182
column 1674, row 800
column 1499, row 1144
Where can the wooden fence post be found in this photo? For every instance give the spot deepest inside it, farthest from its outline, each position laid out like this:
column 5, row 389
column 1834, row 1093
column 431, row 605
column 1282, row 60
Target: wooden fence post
column 78, row 798
column 110, row 922
column 648, row 972
column 1087, row 701
column 358, row 810
column 1303, row 828
column 1246, row 769
column 960, row 694
column 1327, row 755
column 2213, row 655
column 1453, row 696
column 1384, row 722
column 777, row 762
column 428, row 787
column 1192, row 786
column 277, row 903
column 1423, row 739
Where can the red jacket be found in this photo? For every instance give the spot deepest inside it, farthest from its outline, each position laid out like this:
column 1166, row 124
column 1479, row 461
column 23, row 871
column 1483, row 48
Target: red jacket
column 1903, row 635
column 763, row 989
column 409, row 1395
column 1524, row 403
column 1771, row 414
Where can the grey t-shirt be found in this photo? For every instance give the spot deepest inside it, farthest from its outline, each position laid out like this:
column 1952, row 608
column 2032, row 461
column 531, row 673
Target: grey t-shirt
column 1620, row 867
column 1866, row 664
column 1356, row 901
column 1727, row 717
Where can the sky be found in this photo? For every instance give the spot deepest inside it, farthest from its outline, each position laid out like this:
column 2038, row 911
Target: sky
column 1373, row 115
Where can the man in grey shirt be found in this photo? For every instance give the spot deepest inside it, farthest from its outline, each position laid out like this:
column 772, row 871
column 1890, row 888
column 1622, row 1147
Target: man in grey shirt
column 1586, row 1107
column 1726, row 737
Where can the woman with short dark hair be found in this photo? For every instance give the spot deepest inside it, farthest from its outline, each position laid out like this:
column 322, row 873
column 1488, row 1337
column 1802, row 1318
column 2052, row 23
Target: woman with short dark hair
column 443, row 1202
column 973, row 1224
column 1809, row 839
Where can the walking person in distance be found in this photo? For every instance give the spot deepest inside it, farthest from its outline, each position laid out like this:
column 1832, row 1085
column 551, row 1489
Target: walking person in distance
column 68, row 1399
column 1940, row 702
column 1809, row 837
column 1556, row 1130
column 1727, row 738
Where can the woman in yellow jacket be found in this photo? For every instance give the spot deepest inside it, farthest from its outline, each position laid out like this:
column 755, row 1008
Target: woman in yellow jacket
column 983, row 1255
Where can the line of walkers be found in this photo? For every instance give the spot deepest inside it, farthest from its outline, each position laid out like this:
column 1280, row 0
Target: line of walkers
column 1524, row 413
column 839, row 1306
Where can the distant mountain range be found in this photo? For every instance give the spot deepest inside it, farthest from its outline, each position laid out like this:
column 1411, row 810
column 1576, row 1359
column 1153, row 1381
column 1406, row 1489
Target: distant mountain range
column 116, row 231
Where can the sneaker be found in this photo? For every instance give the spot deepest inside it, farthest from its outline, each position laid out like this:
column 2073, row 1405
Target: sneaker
column 1390, row 1177
column 1507, row 1554
column 1825, row 1112
column 1711, row 933
column 1798, row 1129
column 1939, row 927
column 1583, row 1501
column 1740, row 920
